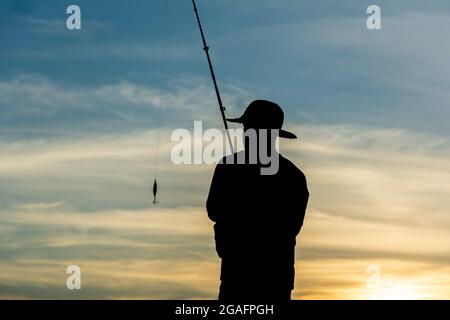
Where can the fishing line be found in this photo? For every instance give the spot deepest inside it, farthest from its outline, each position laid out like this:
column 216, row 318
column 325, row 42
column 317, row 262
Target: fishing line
column 160, row 99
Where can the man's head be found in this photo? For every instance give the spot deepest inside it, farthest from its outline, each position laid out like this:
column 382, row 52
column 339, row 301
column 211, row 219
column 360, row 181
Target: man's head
column 263, row 122
column 263, row 114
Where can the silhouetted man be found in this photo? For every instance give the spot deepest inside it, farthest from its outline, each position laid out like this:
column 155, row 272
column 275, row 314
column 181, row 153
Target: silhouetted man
column 257, row 216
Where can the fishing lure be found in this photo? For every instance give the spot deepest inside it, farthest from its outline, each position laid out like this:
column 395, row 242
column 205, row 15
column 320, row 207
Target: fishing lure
column 155, row 192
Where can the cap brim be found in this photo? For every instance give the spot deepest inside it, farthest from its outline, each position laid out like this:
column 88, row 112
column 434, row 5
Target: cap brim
column 287, row 134
column 282, row 133
column 236, row 120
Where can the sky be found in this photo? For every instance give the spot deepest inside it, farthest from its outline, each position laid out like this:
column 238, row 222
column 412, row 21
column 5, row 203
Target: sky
column 79, row 121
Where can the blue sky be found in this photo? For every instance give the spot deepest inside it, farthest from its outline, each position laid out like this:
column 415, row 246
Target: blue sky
column 77, row 136
column 318, row 61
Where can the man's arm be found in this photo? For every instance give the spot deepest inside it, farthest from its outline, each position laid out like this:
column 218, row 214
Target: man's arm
column 301, row 202
column 215, row 206
column 214, row 201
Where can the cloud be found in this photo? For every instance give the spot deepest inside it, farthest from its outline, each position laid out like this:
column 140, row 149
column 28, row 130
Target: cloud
column 377, row 196
column 95, row 52
column 394, row 176
column 388, row 175
column 169, row 254
column 58, row 27
column 165, row 253
column 35, row 104
column 77, row 152
column 325, row 66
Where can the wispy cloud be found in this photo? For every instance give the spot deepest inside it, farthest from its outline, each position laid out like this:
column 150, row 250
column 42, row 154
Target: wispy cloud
column 77, row 125
column 88, row 202
column 31, row 102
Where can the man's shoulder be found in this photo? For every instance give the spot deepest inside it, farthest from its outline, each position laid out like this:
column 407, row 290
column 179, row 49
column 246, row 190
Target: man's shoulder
column 291, row 168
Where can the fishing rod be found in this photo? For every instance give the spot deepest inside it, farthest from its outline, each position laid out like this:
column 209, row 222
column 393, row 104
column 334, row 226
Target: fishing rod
column 213, row 76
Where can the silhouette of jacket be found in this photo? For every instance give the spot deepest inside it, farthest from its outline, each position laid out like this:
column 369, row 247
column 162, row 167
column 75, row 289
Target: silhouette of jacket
column 257, row 218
